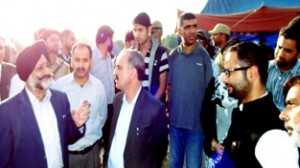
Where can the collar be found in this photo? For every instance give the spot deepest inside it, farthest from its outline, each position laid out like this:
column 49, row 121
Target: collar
column 241, row 106
column 181, row 50
column 292, row 71
column 98, row 53
column 135, row 97
column 33, row 99
column 71, row 79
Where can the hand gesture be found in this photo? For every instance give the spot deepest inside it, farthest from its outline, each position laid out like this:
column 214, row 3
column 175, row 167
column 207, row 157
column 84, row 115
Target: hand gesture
column 81, row 115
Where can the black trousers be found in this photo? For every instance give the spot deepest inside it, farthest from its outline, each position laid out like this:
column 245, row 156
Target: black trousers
column 106, row 129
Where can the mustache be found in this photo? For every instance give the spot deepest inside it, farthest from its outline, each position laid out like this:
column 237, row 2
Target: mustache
column 45, row 77
column 80, row 69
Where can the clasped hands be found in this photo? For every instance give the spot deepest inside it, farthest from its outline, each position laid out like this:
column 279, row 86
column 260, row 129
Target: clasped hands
column 215, row 146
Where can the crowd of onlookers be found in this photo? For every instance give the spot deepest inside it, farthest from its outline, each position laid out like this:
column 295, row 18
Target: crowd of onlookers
column 63, row 100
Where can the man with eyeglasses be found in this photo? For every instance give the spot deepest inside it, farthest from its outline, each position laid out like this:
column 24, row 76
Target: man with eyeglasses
column 245, row 75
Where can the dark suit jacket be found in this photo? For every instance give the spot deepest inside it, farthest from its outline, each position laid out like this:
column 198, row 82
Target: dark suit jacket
column 8, row 71
column 21, row 143
column 247, row 126
column 146, row 146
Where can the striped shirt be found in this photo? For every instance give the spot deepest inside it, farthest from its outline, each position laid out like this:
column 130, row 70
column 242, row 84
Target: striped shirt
column 163, row 66
column 276, row 80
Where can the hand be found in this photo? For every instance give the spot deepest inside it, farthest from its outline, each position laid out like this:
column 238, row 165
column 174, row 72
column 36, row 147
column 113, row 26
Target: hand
column 81, row 115
column 215, row 146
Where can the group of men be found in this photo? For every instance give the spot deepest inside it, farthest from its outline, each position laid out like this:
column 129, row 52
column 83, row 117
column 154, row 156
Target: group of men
column 60, row 125
column 257, row 85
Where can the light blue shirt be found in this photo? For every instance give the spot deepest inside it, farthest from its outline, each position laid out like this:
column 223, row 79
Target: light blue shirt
column 103, row 69
column 93, row 92
column 276, row 80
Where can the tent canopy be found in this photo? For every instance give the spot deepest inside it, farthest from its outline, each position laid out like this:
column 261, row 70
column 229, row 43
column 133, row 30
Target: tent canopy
column 255, row 20
column 263, row 19
column 221, row 7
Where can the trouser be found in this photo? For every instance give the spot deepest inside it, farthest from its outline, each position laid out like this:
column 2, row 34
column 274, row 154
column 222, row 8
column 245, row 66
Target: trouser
column 185, row 143
column 88, row 158
column 106, row 128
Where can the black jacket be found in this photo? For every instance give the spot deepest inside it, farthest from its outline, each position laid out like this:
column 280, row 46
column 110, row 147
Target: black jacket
column 147, row 138
column 247, row 125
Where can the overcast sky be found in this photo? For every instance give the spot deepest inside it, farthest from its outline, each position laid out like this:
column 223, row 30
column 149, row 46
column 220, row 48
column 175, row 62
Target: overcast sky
column 20, row 18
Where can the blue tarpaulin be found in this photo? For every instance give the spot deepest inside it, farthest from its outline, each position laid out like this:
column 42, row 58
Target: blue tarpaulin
column 224, row 7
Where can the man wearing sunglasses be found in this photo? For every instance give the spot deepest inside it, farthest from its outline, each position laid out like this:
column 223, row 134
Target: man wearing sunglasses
column 245, row 75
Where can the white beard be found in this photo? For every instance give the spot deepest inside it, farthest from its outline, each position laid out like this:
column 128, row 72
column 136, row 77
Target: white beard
column 296, row 135
column 43, row 85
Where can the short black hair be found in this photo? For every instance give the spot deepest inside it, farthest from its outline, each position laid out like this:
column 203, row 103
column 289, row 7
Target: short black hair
column 48, row 32
column 291, row 31
column 103, row 33
column 142, row 19
column 250, row 54
column 233, row 41
column 289, row 84
column 185, row 16
column 65, row 33
column 129, row 36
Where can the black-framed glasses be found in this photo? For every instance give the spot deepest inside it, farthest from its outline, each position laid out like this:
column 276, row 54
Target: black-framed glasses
column 229, row 70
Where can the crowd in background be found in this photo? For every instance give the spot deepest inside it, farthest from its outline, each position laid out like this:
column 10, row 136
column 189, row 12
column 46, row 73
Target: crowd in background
column 149, row 102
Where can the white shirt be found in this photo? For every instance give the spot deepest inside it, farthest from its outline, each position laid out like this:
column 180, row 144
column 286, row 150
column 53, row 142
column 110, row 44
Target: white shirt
column 16, row 85
column 275, row 149
column 115, row 158
column 93, row 91
column 47, row 123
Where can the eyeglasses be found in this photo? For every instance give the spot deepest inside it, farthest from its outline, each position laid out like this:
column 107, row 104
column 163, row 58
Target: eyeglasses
column 229, row 70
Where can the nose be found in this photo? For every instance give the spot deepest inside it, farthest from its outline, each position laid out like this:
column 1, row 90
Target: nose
column 47, row 71
column 284, row 115
column 115, row 71
column 80, row 64
column 212, row 36
column 279, row 52
column 224, row 78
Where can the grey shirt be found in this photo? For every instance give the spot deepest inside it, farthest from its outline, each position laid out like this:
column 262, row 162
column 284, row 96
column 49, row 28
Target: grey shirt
column 189, row 75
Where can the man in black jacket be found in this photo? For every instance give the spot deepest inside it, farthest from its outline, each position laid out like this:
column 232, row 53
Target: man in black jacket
column 245, row 75
column 139, row 133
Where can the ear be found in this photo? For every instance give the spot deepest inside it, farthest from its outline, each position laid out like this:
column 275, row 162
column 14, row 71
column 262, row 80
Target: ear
column 179, row 31
column 133, row 73
column 253, row 73
column 149, row 30
column 72, row 62
column 91, row 63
